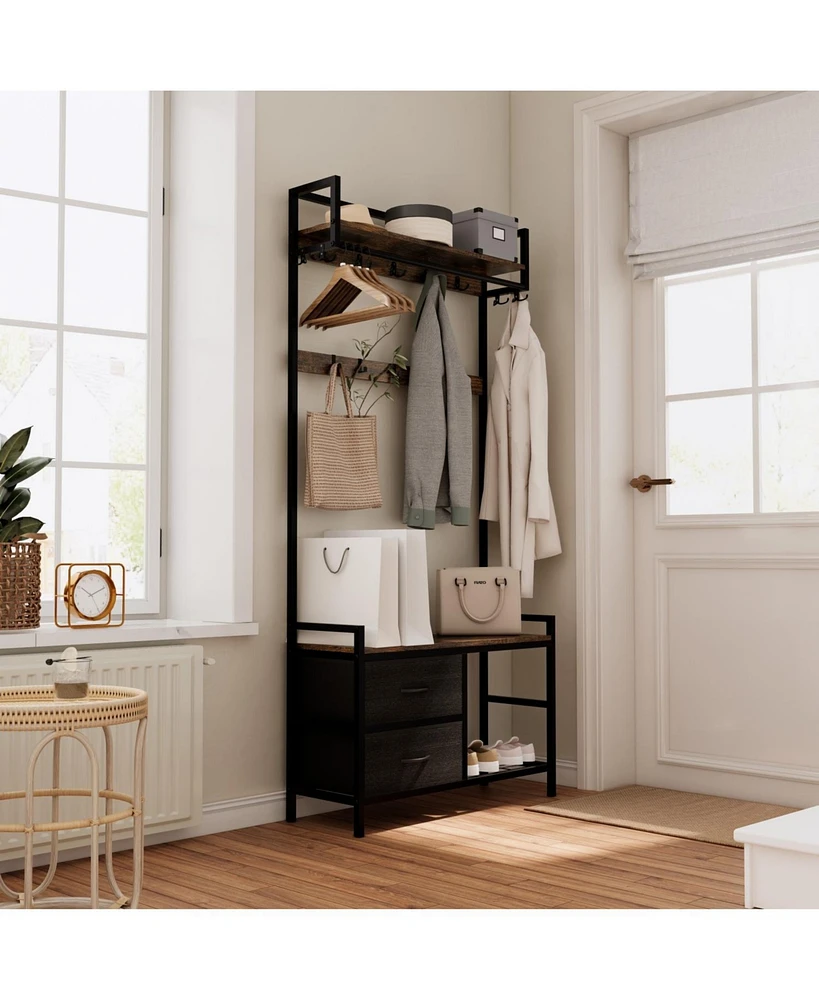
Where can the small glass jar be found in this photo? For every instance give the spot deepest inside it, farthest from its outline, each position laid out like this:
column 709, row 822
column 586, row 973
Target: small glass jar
column 72, row 675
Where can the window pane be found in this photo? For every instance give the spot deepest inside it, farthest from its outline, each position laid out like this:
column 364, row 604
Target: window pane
column 106, row 138
column 28, row 260
column 30, row 144
column 106, row 270
column 28, row 386
column 789, row 325
column 789, row 450
column 41, row 506
column 103, row 520
column 28, row 375
column 710, row 456
column 708, row 335
column 103, row 398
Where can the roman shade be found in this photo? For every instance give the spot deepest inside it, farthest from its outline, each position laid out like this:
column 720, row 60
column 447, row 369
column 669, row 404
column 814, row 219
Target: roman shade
column 736, row 186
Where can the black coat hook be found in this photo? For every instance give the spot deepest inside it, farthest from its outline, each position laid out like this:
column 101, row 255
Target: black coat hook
column 520, row 298
column 501, row 301
column 460, row 287
column 394, row 272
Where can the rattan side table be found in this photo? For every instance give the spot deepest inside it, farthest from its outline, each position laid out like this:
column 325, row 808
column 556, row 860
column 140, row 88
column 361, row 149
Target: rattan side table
column 36, row 708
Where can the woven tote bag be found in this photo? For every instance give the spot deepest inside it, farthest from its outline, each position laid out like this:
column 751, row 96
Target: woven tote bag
column 342, row 456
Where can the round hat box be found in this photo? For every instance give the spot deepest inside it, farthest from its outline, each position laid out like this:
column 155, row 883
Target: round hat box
column 424, row 222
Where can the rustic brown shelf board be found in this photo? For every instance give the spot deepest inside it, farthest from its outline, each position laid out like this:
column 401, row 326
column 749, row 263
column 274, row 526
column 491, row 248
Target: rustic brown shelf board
column 313, row 363
column 428, row 256
column 448, row 644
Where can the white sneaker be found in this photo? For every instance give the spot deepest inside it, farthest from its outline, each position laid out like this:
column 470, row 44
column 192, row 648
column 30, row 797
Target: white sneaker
column 509, row 756
column 487, row 757
column 513, row 753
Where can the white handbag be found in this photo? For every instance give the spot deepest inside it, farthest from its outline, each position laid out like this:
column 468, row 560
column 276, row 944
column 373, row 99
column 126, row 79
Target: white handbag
column 349, row 581
column 413, row 580
column 479, row 600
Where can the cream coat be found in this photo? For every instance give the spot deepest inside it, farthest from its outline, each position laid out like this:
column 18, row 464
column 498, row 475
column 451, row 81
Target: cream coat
column 516, row 481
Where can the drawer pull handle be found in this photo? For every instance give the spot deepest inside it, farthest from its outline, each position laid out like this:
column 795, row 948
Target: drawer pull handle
column 413, row 690
column 415, row 760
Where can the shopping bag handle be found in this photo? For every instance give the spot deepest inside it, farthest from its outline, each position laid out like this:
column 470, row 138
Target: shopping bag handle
column 340, row 565
column 331, row 391
column 461, row 585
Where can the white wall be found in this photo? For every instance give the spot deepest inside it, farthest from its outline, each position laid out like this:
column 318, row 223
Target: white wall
column 389, row 148
column 542, row 164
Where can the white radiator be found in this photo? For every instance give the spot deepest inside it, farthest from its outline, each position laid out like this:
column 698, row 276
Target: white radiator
column 172, row 676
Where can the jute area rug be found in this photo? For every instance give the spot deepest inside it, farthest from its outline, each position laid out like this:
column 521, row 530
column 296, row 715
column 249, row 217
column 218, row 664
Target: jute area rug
column 709, row 818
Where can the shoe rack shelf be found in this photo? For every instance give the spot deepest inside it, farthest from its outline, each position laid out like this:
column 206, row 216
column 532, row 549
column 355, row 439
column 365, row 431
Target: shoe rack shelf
column 369, row 724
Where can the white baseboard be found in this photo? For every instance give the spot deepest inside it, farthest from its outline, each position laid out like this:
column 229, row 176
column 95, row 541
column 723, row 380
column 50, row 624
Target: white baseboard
column 566, row 773
column 255, row 810
column 217, row 817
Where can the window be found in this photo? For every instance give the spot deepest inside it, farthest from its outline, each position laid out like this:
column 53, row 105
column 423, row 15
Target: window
column 741, row 393
column 80, row 321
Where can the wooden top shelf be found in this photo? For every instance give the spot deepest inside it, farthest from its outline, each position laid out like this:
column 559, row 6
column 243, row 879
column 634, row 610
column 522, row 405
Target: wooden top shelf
column 442, row 645
column 417, row 256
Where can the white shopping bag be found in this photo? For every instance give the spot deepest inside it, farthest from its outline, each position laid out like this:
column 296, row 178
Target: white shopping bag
column 349, row 581
column 413, row 583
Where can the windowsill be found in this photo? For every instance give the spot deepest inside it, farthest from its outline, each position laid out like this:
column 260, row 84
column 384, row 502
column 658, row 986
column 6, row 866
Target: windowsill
column 129, row 634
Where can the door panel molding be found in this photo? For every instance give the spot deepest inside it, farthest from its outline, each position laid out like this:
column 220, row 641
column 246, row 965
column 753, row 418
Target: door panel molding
column 689, row 758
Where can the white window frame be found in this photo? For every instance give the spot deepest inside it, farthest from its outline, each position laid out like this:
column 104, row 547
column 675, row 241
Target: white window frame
column 757, row 518
column 154, row 339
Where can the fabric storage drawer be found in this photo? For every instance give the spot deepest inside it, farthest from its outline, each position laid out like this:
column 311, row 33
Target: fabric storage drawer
column 404, row 760
column 491, row 233
column 407, row 690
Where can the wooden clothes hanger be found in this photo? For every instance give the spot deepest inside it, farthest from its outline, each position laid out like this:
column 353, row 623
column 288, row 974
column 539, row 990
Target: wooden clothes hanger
column 398, row 299
column 348, row 281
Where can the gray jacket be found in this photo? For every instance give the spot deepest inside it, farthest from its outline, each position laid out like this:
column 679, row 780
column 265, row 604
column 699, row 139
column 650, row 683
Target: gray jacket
column 438, row 463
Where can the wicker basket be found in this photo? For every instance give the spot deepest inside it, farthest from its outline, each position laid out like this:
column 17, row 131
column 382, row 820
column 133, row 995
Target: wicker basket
column 20, row 584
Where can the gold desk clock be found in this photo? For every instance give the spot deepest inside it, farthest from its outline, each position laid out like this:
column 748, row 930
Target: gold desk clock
column 90, row 593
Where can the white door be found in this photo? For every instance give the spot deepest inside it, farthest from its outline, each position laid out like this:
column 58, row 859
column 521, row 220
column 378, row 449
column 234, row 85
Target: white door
column 726, row 403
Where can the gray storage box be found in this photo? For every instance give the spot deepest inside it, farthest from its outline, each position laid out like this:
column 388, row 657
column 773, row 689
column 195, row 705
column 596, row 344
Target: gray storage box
column 486, row 232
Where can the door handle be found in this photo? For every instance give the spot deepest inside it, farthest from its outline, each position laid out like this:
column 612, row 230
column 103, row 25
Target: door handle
column 644, row 483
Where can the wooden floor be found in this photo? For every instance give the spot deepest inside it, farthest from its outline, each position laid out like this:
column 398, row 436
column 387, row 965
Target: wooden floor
column 468, row 848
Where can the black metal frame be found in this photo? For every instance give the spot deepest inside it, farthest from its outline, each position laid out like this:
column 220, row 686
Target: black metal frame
column 358, row 653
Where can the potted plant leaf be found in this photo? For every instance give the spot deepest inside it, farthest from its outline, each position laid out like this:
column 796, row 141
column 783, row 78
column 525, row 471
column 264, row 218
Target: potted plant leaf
column 19, row 535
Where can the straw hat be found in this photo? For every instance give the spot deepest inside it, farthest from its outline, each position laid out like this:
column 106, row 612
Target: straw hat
column 353, row 213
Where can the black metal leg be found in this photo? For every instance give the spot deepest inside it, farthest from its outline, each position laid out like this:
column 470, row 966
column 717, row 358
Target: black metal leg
column 483, row 696
column 483, row 526
column 483, row 700
column 551, row 716
column 358, row 753
column 292, row 501
column 293, row 698
column 464, row 710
